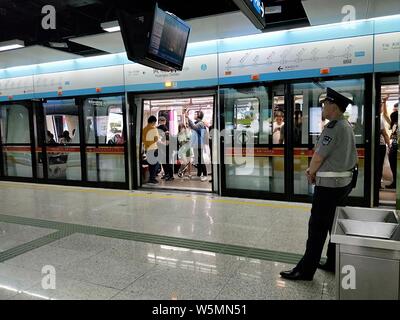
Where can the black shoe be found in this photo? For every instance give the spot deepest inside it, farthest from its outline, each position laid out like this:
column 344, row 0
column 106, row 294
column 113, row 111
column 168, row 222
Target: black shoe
column 295, row 275
column 326, row 267
column 169, row 178
column 153, row 181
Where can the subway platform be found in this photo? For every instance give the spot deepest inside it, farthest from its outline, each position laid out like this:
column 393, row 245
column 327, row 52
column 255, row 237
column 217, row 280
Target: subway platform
column 145, row 245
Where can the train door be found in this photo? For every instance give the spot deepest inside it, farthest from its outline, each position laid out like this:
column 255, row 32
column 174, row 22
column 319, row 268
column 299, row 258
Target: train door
column 17, row 153
column 307, row 125
column 386, row 138
column 82, row 141
column 180, row 164
column 253, row 142
column 58, row 138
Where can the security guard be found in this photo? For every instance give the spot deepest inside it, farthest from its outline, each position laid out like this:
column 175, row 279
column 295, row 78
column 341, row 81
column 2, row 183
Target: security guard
column 333, row 171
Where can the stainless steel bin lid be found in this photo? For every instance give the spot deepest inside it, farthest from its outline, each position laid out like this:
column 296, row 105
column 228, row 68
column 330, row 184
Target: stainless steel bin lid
column 368, row 229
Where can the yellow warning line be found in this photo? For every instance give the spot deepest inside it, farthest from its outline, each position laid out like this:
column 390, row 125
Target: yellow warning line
column 155, row 195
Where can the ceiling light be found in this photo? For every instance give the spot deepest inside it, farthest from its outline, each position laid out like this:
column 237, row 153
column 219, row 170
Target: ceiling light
column 111, row 26
column 58, row 45
column 11, row 44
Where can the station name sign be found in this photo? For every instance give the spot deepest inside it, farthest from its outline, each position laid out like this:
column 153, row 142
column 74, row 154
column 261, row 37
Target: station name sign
column 254, row 10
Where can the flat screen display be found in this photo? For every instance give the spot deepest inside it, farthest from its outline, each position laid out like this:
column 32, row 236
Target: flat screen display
column 169, row 38
column 154, row 38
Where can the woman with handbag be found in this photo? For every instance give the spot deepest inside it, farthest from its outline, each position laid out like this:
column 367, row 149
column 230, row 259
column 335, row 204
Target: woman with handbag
column 394, row 126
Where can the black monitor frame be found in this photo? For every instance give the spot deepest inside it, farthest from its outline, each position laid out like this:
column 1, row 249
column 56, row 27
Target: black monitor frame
column 137, row 31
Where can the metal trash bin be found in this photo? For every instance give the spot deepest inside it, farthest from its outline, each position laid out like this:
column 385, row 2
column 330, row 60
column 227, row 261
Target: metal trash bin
column 368, row 245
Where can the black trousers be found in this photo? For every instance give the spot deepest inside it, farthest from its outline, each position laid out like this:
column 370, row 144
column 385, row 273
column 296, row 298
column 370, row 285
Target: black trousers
column 393, row 162
column 198, row 161
column 325, row 201
column 153, row 165
column 166, row 165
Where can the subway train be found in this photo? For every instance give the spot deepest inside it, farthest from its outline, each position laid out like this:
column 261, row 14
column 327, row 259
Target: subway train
column 80, row 121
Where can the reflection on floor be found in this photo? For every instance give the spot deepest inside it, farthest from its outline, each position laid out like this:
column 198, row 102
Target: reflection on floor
column 387, row 197
column 153, row 245
column 194, row 183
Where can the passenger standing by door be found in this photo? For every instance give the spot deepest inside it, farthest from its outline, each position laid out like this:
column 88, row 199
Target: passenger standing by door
column 331, row 170
column 164, row 135
column 150, row 139
column 65, row 139
column 50, row 138
column 185, row 153
column 394, row 126
column 277, row 127
column 198, row 142
column 384, row 141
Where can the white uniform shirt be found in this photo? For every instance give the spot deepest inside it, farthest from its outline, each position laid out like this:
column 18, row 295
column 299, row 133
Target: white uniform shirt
column 382, row 139
column 277, row 134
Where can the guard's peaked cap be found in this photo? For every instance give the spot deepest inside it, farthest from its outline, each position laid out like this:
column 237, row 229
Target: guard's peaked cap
column 337, row 98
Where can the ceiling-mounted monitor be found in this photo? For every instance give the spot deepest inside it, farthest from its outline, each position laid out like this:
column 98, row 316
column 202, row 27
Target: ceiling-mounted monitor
column 157, row 39
column 254, row 10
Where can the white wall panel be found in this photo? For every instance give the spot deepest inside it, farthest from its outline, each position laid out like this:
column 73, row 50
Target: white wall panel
column 387, row 47
column 305, row 56
column 80, row 79
column 16, row 86
column 194, row 68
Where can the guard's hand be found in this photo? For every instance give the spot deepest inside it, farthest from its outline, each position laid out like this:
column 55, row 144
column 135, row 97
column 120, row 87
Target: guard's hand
column 310, row 177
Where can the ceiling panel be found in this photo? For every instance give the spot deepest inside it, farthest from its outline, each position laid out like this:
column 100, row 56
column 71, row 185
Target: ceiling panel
column 226, row 25
column 33, row 55
column 109, row 42
column 207, row 28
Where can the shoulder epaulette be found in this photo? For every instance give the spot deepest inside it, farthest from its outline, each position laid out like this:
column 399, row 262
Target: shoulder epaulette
column 332, row 124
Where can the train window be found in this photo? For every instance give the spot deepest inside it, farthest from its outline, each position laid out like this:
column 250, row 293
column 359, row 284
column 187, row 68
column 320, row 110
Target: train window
column 104, row 127
column 104, row 120
column 15, row 137
column 308, row 124
column 251, row 113
column 246, row 115
column 61, row 121
column 14, row 124
column 62, row 139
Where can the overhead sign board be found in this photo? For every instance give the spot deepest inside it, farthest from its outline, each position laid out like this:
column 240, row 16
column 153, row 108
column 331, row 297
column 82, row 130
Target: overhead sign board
column 254, row 10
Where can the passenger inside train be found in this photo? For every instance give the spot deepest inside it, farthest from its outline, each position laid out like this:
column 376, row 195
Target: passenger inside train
column 278, row 128
column 386, row 173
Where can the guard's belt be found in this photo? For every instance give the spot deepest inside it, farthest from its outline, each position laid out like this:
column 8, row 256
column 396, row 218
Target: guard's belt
column 331, row 174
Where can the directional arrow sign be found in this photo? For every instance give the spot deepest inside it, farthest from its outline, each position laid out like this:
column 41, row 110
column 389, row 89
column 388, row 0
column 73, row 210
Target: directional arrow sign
column 280, row 68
